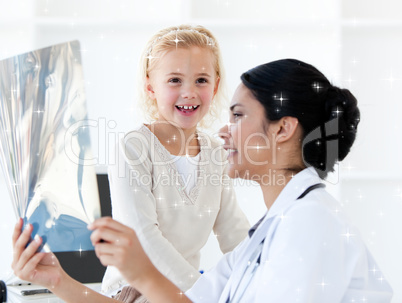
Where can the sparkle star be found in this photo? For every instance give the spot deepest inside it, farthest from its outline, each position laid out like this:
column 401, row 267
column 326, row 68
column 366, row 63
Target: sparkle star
column 150, row 57
column 317, row 86
column 374, row 270
column 349, row 80
column 391, row 79
column 38, row 111
column 354, row 61
column 252, row 46
column 349, row 167
column 280, row 98
column 337, row 111
column 347, row 235
column 177, row 40
column 80, row 250
column 323, row 284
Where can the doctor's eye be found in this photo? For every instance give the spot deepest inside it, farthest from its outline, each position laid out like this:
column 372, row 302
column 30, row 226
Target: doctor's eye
column 236, row 115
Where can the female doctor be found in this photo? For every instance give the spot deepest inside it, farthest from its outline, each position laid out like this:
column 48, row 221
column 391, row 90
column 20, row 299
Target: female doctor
column 288, row 127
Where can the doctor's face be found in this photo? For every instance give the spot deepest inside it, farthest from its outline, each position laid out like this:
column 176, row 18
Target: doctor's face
column 246, row 137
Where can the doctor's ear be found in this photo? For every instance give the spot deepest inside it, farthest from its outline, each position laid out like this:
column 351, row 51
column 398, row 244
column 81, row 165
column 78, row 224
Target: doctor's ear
column 285, row 129
column 149, row 89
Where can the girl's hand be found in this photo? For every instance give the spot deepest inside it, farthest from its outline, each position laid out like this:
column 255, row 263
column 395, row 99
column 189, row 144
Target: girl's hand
column 117, row 245
column 28, row 264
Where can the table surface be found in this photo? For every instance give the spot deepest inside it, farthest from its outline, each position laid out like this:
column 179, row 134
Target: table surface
column 14, row 294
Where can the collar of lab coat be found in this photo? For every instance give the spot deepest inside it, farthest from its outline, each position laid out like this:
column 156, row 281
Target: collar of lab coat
column 288, row 196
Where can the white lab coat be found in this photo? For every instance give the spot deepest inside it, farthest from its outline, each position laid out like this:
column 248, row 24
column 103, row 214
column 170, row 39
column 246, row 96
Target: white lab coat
column 311, row 253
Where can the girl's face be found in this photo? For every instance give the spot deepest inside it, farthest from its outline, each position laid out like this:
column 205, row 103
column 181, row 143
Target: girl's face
column 251, row 150
column 183, row 83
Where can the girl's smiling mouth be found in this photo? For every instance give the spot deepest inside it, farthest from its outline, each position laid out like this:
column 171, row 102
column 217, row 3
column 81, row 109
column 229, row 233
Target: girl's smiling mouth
column 187, row 109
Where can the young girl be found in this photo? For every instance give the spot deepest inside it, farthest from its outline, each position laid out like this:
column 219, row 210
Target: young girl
column 169, row 184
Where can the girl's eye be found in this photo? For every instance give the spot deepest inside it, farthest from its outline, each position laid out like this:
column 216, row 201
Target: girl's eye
column 202, row 80
column 174, row 80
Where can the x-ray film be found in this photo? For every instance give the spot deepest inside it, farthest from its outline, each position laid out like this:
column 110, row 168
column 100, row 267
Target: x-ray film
column 45, row 149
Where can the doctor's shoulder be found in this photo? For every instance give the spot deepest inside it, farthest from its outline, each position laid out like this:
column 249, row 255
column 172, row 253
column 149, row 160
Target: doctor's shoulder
column 319, row 215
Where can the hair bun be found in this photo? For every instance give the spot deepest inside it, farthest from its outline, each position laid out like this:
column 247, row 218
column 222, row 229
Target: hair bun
column 342, row 105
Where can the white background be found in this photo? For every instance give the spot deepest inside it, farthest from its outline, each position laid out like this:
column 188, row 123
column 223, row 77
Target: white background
column 356, row 43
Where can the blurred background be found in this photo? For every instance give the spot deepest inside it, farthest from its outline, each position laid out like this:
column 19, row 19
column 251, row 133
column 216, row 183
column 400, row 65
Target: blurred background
column 357, row 44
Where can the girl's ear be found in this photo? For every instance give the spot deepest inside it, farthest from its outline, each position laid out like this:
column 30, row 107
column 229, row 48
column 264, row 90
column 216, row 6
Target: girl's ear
column 216, row 85
column 286, row 128
column 149, row 89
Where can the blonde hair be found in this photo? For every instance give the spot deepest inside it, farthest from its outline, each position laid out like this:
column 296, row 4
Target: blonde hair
column 183, row 36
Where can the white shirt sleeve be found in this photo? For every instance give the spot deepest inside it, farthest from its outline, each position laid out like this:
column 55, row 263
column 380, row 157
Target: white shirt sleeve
column 134, row 205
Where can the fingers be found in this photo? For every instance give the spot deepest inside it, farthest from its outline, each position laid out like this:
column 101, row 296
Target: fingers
column 108, row 222
column 111, row 231
column 17, row 230
column 105, row 253
column 105, row 234
column 28, row 270
column 21, row 240
column 107, row 260
column 26, row 260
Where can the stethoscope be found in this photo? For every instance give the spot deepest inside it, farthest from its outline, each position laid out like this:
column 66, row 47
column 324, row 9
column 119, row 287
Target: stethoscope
column 255, row 261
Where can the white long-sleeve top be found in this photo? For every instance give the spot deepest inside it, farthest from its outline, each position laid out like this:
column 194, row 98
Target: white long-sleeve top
column 307, row 251
column 148, row 194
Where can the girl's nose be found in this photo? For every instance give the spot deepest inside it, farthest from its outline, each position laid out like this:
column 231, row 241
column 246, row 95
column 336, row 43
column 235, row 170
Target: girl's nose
column 188, row 92
column 224, row 132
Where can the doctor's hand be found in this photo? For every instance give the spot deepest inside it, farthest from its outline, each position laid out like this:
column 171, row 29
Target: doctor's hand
column 29, row 264
column 117, row 245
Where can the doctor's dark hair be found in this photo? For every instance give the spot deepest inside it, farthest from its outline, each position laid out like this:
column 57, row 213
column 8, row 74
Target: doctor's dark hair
column 328, row 114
